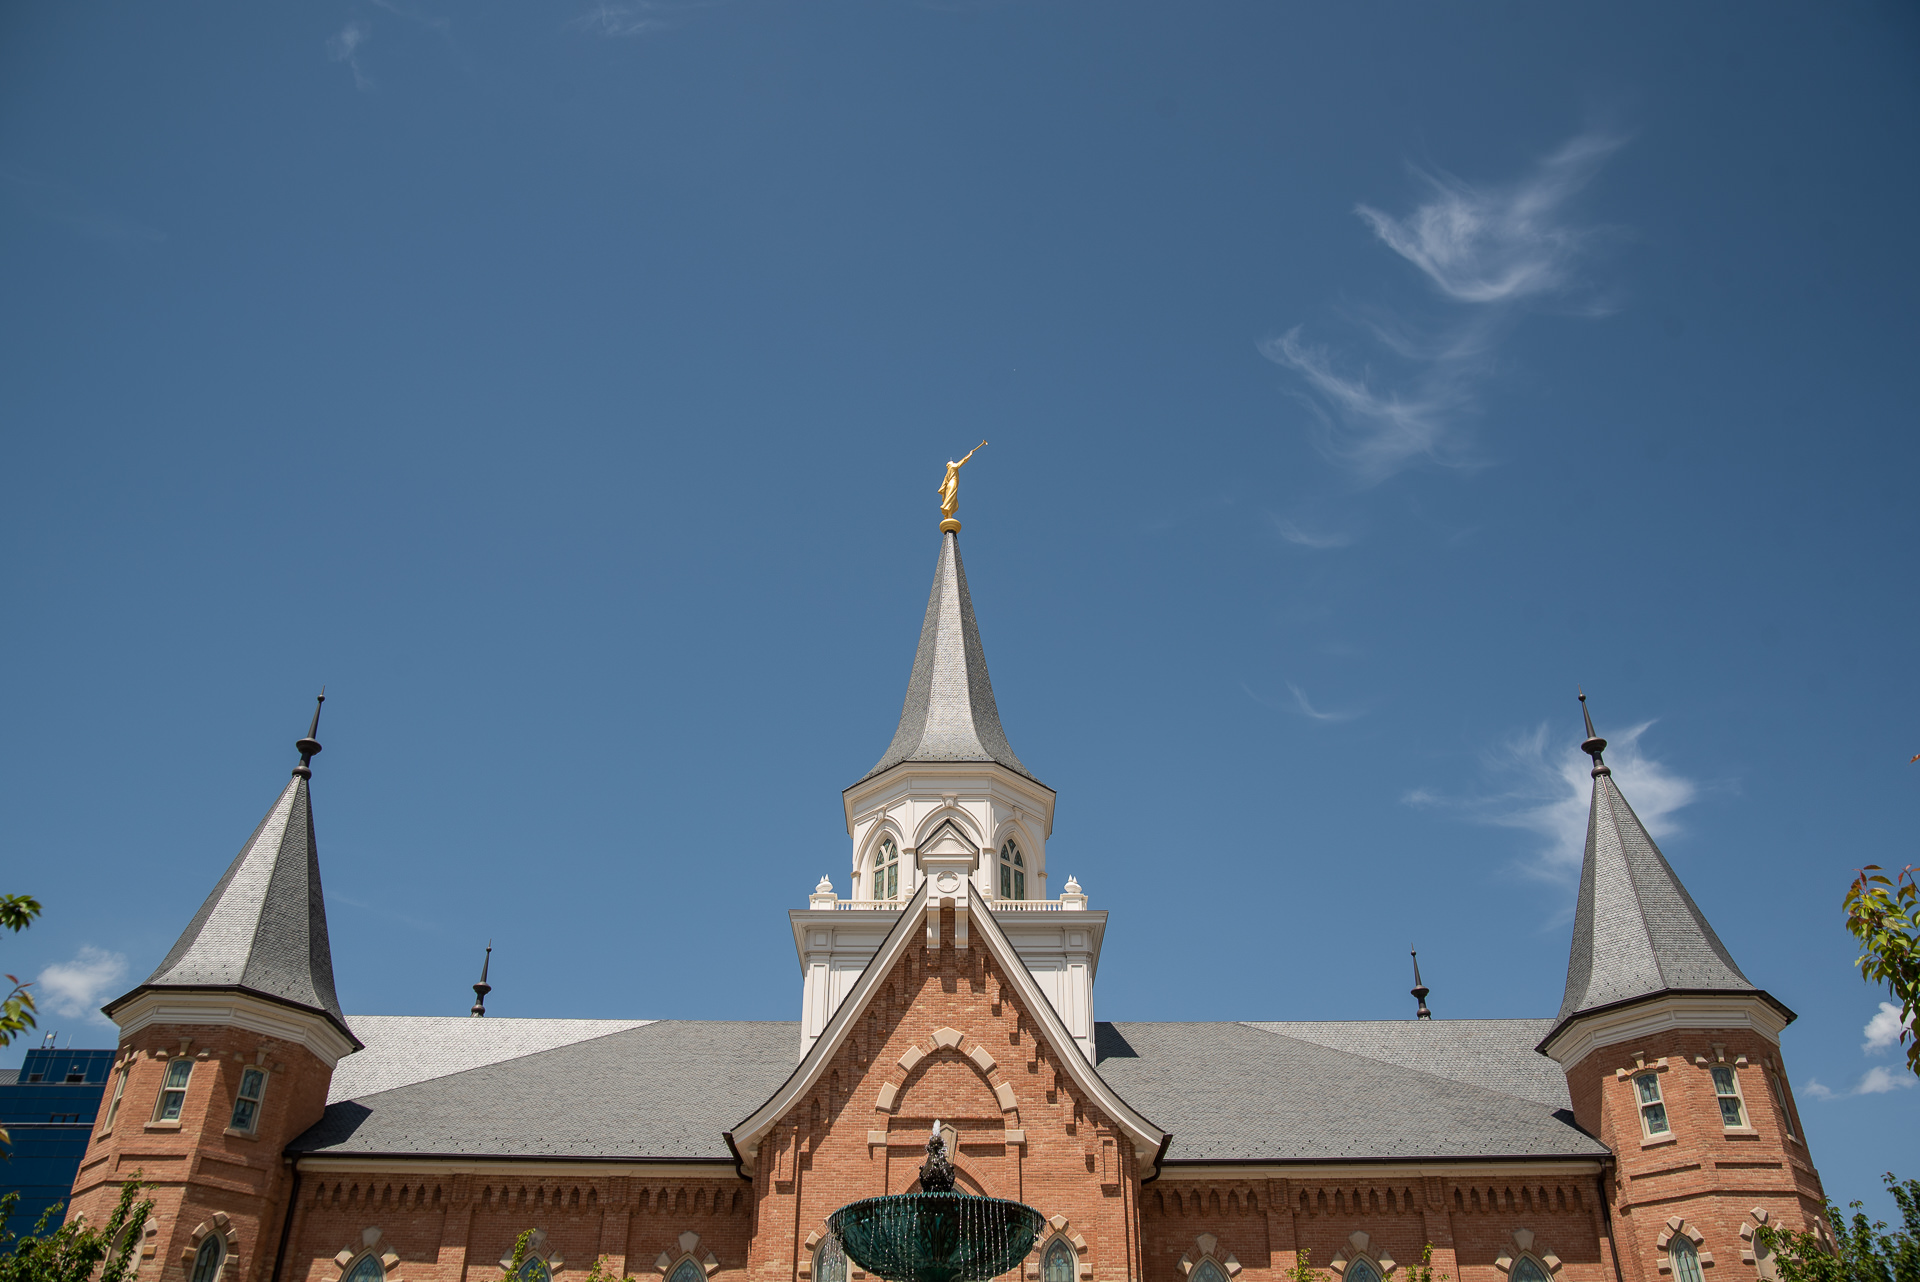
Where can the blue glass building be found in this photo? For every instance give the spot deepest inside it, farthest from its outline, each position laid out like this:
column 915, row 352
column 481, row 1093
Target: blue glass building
column 49, row 1111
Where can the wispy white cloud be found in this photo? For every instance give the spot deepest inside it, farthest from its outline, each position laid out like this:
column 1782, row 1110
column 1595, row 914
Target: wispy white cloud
column 1881, row 1079
column 1884, row 1029
column 1490, row 250
column 1503, row 243
column 1292, row 533
column 344, row 46
column 76, row 988
column 1547, row 791
column 1300, row 699
column 635, row 18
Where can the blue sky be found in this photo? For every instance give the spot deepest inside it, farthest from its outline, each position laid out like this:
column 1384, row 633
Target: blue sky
column 566, row 387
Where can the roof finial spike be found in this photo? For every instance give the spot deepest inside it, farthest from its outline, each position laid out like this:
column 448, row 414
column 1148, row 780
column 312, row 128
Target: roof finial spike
column 309, row 747
column 1420, row 990
column 481, row 989
column 1594, row 745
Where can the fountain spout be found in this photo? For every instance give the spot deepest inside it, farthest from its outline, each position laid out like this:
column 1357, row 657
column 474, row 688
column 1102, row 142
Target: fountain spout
column 936, row 1175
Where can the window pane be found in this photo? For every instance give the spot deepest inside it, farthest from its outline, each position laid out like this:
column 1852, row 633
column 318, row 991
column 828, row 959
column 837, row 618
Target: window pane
column 893, row 882
column 1528, row 1271
column 177, row 1074
column 829, row 1262
column 250, row 1083
column 1723, row 1082
column 1059, row 1263
column 368, row 1270
column 1018, row 862
column 207, row 1262
column 1006, row 882
column 687, row 1271
column 1656, row 1115
column 1019, row 884
column 1361, row 1271
column 1730, row 1111
column 535, row 1270
column 243, row 1110
column 1208, row 1271
column 1686, row 1260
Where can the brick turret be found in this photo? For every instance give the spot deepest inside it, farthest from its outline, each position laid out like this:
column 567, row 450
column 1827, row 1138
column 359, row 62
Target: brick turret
column 226, row 1053
column 1673, row 1060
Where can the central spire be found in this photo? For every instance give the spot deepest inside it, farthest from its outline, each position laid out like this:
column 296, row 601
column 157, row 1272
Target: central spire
column 949, row 713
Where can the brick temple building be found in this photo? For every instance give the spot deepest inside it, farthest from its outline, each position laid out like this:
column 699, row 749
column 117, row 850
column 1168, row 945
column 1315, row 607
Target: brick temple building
column 1640, row 1134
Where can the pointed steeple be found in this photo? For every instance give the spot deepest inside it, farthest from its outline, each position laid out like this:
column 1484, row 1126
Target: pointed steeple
column 949, row 714
column 1637, row 932
column 263, row 930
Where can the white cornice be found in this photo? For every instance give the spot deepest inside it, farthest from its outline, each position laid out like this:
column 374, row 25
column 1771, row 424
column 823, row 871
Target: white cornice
column 241, row 1010
column 1173, row 1170
column 1584, row 1034
column 584, row 1168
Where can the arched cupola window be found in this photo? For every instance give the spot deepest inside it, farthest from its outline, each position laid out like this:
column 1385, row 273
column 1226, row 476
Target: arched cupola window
column 886, row 870
column 1362, row 1271
column 207, row 1260
column 368, row 1270
column 1013, row 872
column 1057, row 1264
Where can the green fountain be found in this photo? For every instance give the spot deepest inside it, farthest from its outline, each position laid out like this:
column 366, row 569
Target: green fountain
column 935, row 1235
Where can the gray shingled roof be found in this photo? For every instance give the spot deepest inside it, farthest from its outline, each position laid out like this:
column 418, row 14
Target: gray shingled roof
column 263, row 930
column 1269, row 1092
column 1636, row 931
column 949, row 714
column 399, row 1050
column 668, row 1089
column 1240, row 1092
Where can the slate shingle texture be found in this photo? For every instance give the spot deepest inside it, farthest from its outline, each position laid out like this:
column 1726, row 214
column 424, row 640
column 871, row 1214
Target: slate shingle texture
column 949, row 713
column 264, row 927
column 1637, row 931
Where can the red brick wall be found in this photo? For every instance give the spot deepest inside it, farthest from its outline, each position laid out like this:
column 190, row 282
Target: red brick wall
column 195, row 1168
column 1708, row 1177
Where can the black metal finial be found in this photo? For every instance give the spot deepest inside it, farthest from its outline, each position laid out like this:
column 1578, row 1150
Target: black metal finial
column 1420, row 990
column 309, row 747
column 1594, row 745
column 481, row 989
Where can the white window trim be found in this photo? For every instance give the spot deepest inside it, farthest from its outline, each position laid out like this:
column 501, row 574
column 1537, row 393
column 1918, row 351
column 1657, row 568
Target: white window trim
column 1641, row 1104
column 120, row 1076
column 1739, row 1094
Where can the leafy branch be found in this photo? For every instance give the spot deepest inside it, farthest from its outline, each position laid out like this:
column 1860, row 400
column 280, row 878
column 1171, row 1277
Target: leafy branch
column 1861, row 1250
column 74, row 1251
column 1884, row 915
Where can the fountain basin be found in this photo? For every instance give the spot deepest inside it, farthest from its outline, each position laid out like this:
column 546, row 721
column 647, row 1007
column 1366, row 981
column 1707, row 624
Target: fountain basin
column 936, row 1237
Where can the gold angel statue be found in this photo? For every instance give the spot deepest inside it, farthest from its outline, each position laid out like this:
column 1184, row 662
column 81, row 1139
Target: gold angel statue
column 950, row 488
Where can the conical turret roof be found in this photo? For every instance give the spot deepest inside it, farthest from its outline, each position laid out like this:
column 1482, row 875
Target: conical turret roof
column 949, row 713
column 263, row 930
column 1637, row 932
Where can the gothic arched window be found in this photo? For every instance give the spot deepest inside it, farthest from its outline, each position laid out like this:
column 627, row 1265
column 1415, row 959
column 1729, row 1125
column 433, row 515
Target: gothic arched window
column 1013, row 872
column 829, row 1262
column 1207, row 1271
column 687, row 1271
column 534, row 1269
column 1058, row 1264
column 1528, row 1270
column 886, row 870
column 206, row 1261
column 1686, row 1260
column 370, row 1270
column 1362, row 1271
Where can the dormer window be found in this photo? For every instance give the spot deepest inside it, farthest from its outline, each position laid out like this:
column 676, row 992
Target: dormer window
column 886, row 870
column 1013, row 872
